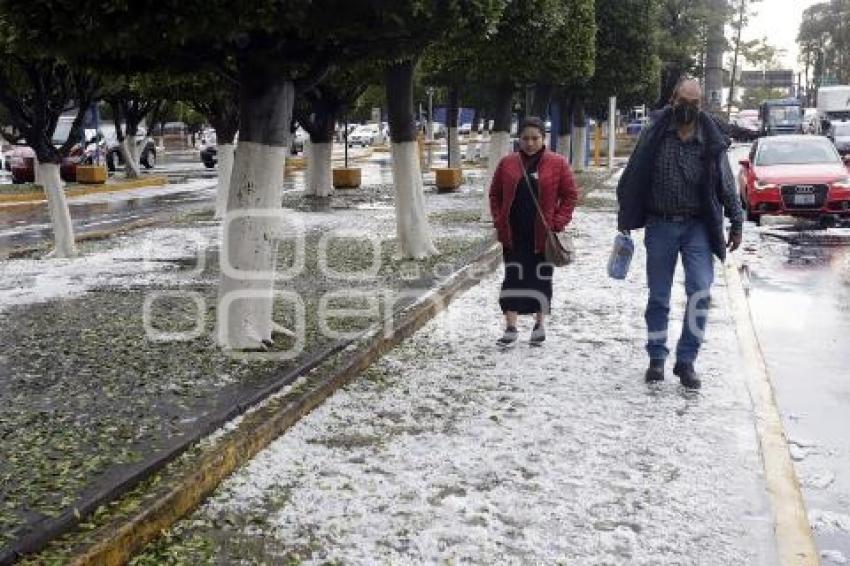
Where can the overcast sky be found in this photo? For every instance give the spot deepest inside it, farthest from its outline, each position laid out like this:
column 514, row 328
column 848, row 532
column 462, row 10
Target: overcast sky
column 779, row 21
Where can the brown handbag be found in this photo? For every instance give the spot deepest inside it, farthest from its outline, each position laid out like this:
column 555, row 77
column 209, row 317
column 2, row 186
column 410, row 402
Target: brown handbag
column 560, row 249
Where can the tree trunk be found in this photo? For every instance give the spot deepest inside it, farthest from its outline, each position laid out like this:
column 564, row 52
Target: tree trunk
column 500, row 140
column 319, row 174
column 670, row 74
column 579, row 143
column 714, row 61
column 565, row 127
column 130, row 153
column 249, row 243
column 451, row 119
column 542, row 96
column 412, row 229
column 225, row 119
column 57, row 206
column 225, row 168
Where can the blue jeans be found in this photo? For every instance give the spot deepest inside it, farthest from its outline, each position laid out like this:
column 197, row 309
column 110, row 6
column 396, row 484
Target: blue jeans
column 665, row 241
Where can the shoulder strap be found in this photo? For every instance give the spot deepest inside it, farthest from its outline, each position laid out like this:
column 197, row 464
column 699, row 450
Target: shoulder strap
column 528, row 186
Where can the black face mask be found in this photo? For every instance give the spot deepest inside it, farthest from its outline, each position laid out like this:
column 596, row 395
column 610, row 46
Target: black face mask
column 685, row 113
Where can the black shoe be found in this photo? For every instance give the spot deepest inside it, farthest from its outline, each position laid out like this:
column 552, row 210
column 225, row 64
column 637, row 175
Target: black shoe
column 655, row 372
column 687, row 375
column 509, row 337
column 538, row 335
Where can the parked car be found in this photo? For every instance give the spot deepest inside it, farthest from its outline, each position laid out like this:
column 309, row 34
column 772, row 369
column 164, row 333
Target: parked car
column 748, row 119
column 209, row 155
column 209, row 148
column 363, row 135
column 464, row 129
column 797, row 175
column 299, row 138
column 839, row 133
column 20, row 159
column 637, row 125
column 145, row 146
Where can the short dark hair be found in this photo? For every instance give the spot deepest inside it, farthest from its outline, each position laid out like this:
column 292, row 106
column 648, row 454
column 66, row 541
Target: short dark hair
column 533, row 122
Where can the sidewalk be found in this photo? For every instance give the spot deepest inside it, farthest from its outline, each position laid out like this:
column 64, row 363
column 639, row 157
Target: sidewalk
column 88, row 399
column 449, row 450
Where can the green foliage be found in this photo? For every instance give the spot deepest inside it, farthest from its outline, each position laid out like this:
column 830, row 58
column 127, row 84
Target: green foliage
column 539, row 41
column 824, row 39
column 755, row 96
column 627, row 64
column 682, row 35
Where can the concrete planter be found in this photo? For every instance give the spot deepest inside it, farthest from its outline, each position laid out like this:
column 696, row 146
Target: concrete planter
column 91, row 174
column 449, row 180
column 346, row 178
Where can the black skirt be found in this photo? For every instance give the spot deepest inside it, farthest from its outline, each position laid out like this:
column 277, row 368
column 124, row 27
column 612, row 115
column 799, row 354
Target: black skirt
column 527, row 287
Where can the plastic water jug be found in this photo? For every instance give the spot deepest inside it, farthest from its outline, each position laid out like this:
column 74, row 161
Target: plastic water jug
column 621, row 256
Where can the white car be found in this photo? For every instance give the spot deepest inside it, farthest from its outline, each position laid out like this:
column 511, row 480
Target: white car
column 465, row 128
column 363, row 135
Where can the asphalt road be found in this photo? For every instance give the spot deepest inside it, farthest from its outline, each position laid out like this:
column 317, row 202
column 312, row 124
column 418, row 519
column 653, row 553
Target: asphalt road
column 799, row 294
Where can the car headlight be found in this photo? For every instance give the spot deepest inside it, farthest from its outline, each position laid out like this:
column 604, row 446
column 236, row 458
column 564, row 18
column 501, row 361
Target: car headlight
column 842, row 183
column 762, row 185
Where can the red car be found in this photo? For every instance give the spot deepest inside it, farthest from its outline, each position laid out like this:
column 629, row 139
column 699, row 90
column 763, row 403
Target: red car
column 20, row 161
column 795, row 175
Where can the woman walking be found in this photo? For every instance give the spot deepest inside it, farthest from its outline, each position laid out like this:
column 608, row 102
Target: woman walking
column 525, row 185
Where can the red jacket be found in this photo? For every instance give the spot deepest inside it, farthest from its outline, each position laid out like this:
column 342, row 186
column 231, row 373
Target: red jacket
column 557, row 195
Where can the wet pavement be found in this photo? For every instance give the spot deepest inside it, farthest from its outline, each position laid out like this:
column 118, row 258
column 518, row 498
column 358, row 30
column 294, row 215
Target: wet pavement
column 800, row 299
column 25, row 226
column 799, row 293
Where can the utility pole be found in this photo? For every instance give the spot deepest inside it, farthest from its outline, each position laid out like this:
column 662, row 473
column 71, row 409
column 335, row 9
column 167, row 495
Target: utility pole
column 742, row 8
column 714, row 60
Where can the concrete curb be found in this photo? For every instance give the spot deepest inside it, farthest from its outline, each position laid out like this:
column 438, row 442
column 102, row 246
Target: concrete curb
column 38, row 197
column 116, row 542
column 794, row 539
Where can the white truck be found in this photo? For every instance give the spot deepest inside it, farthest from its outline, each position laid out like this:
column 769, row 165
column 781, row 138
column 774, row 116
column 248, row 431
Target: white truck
column 834, row 115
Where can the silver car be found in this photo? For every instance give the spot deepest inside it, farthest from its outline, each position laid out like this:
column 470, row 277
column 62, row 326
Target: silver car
column 840, row 136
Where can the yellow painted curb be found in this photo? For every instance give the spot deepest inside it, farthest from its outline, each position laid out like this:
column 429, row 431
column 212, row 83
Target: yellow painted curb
column 39, row 196
column 794, row 539
column 116, row 542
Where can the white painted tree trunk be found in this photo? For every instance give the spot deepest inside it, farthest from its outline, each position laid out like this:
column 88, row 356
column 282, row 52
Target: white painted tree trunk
column 250, row 245
column 308, row 172
column 454, row 150
column 579, row 148
column 564, row 144
column 321, row 170
column 57, row 206
column 131, row 159
column 471, row 146
column 225, row 168
column 500, row 146
column 318, row 178
column 412, row 229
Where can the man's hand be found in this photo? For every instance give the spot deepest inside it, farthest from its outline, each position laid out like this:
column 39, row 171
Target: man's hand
column 734, row 240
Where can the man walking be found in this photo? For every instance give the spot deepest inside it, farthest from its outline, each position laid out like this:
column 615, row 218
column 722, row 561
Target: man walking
column 677, row 184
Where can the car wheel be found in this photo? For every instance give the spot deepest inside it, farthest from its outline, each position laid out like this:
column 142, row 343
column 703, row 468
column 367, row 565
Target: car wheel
column 149, row 159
